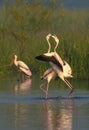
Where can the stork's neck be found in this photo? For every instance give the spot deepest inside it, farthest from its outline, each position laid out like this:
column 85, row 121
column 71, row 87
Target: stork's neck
column 15, row 61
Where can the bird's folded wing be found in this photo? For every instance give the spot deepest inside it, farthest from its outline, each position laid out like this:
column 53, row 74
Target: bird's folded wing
column 22, row 65
column 50, row 59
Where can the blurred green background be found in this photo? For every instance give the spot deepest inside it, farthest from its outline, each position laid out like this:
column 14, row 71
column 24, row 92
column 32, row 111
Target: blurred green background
column 24, row 26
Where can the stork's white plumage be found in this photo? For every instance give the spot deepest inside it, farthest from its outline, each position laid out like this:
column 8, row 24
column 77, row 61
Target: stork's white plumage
column 22, row 66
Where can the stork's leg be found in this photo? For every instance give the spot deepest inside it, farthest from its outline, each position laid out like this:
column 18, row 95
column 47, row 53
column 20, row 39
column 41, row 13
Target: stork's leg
column 47, row 90
column 70, row 86
column 22, row 77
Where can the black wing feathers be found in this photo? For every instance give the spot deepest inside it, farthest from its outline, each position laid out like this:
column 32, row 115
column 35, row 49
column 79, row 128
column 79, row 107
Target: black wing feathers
column 49, row 59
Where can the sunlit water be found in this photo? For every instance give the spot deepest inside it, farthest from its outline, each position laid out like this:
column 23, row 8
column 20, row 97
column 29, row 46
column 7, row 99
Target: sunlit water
column 23, row 106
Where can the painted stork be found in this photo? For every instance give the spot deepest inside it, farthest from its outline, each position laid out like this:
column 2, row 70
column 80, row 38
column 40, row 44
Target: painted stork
column 22, row 66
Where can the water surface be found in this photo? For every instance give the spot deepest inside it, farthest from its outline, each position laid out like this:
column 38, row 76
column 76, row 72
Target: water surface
column 23, row 105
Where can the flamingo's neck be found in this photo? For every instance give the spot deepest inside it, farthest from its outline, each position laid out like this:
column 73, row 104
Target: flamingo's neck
column 49, row 46
column 56, row 47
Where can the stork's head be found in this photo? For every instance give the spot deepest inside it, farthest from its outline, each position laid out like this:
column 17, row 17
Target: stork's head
column 13, row 59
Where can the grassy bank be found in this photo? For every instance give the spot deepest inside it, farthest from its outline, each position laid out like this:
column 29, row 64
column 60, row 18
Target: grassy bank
column 23, row 29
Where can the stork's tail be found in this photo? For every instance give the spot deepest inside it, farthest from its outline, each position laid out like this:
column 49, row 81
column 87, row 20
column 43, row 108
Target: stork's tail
column 27, row 72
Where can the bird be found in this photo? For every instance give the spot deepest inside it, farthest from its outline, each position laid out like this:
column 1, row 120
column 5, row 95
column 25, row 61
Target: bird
column 49, row 44
column 48, row 75
column 60, row 68
column 56, row 40
column 22, row 66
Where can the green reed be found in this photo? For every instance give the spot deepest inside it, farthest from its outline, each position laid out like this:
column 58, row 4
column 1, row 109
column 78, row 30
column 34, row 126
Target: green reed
column 23, row 30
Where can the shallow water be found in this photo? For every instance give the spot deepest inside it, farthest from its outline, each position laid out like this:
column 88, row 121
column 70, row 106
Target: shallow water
column 23, row 105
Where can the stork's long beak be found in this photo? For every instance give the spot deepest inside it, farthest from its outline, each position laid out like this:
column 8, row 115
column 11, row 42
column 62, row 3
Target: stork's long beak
column 12, row 62
column 71, row 76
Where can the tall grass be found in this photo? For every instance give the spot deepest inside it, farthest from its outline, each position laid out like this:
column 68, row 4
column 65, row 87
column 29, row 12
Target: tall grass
column 23, row 29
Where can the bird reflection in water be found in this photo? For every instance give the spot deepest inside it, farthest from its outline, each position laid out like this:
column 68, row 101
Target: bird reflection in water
column 25, row 85
column 58, row 118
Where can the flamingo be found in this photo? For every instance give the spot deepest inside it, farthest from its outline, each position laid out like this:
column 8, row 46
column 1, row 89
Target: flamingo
column 59, row 68
column 48, row 75
column 56, row 40
column 49, row 45
column 22, row 66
